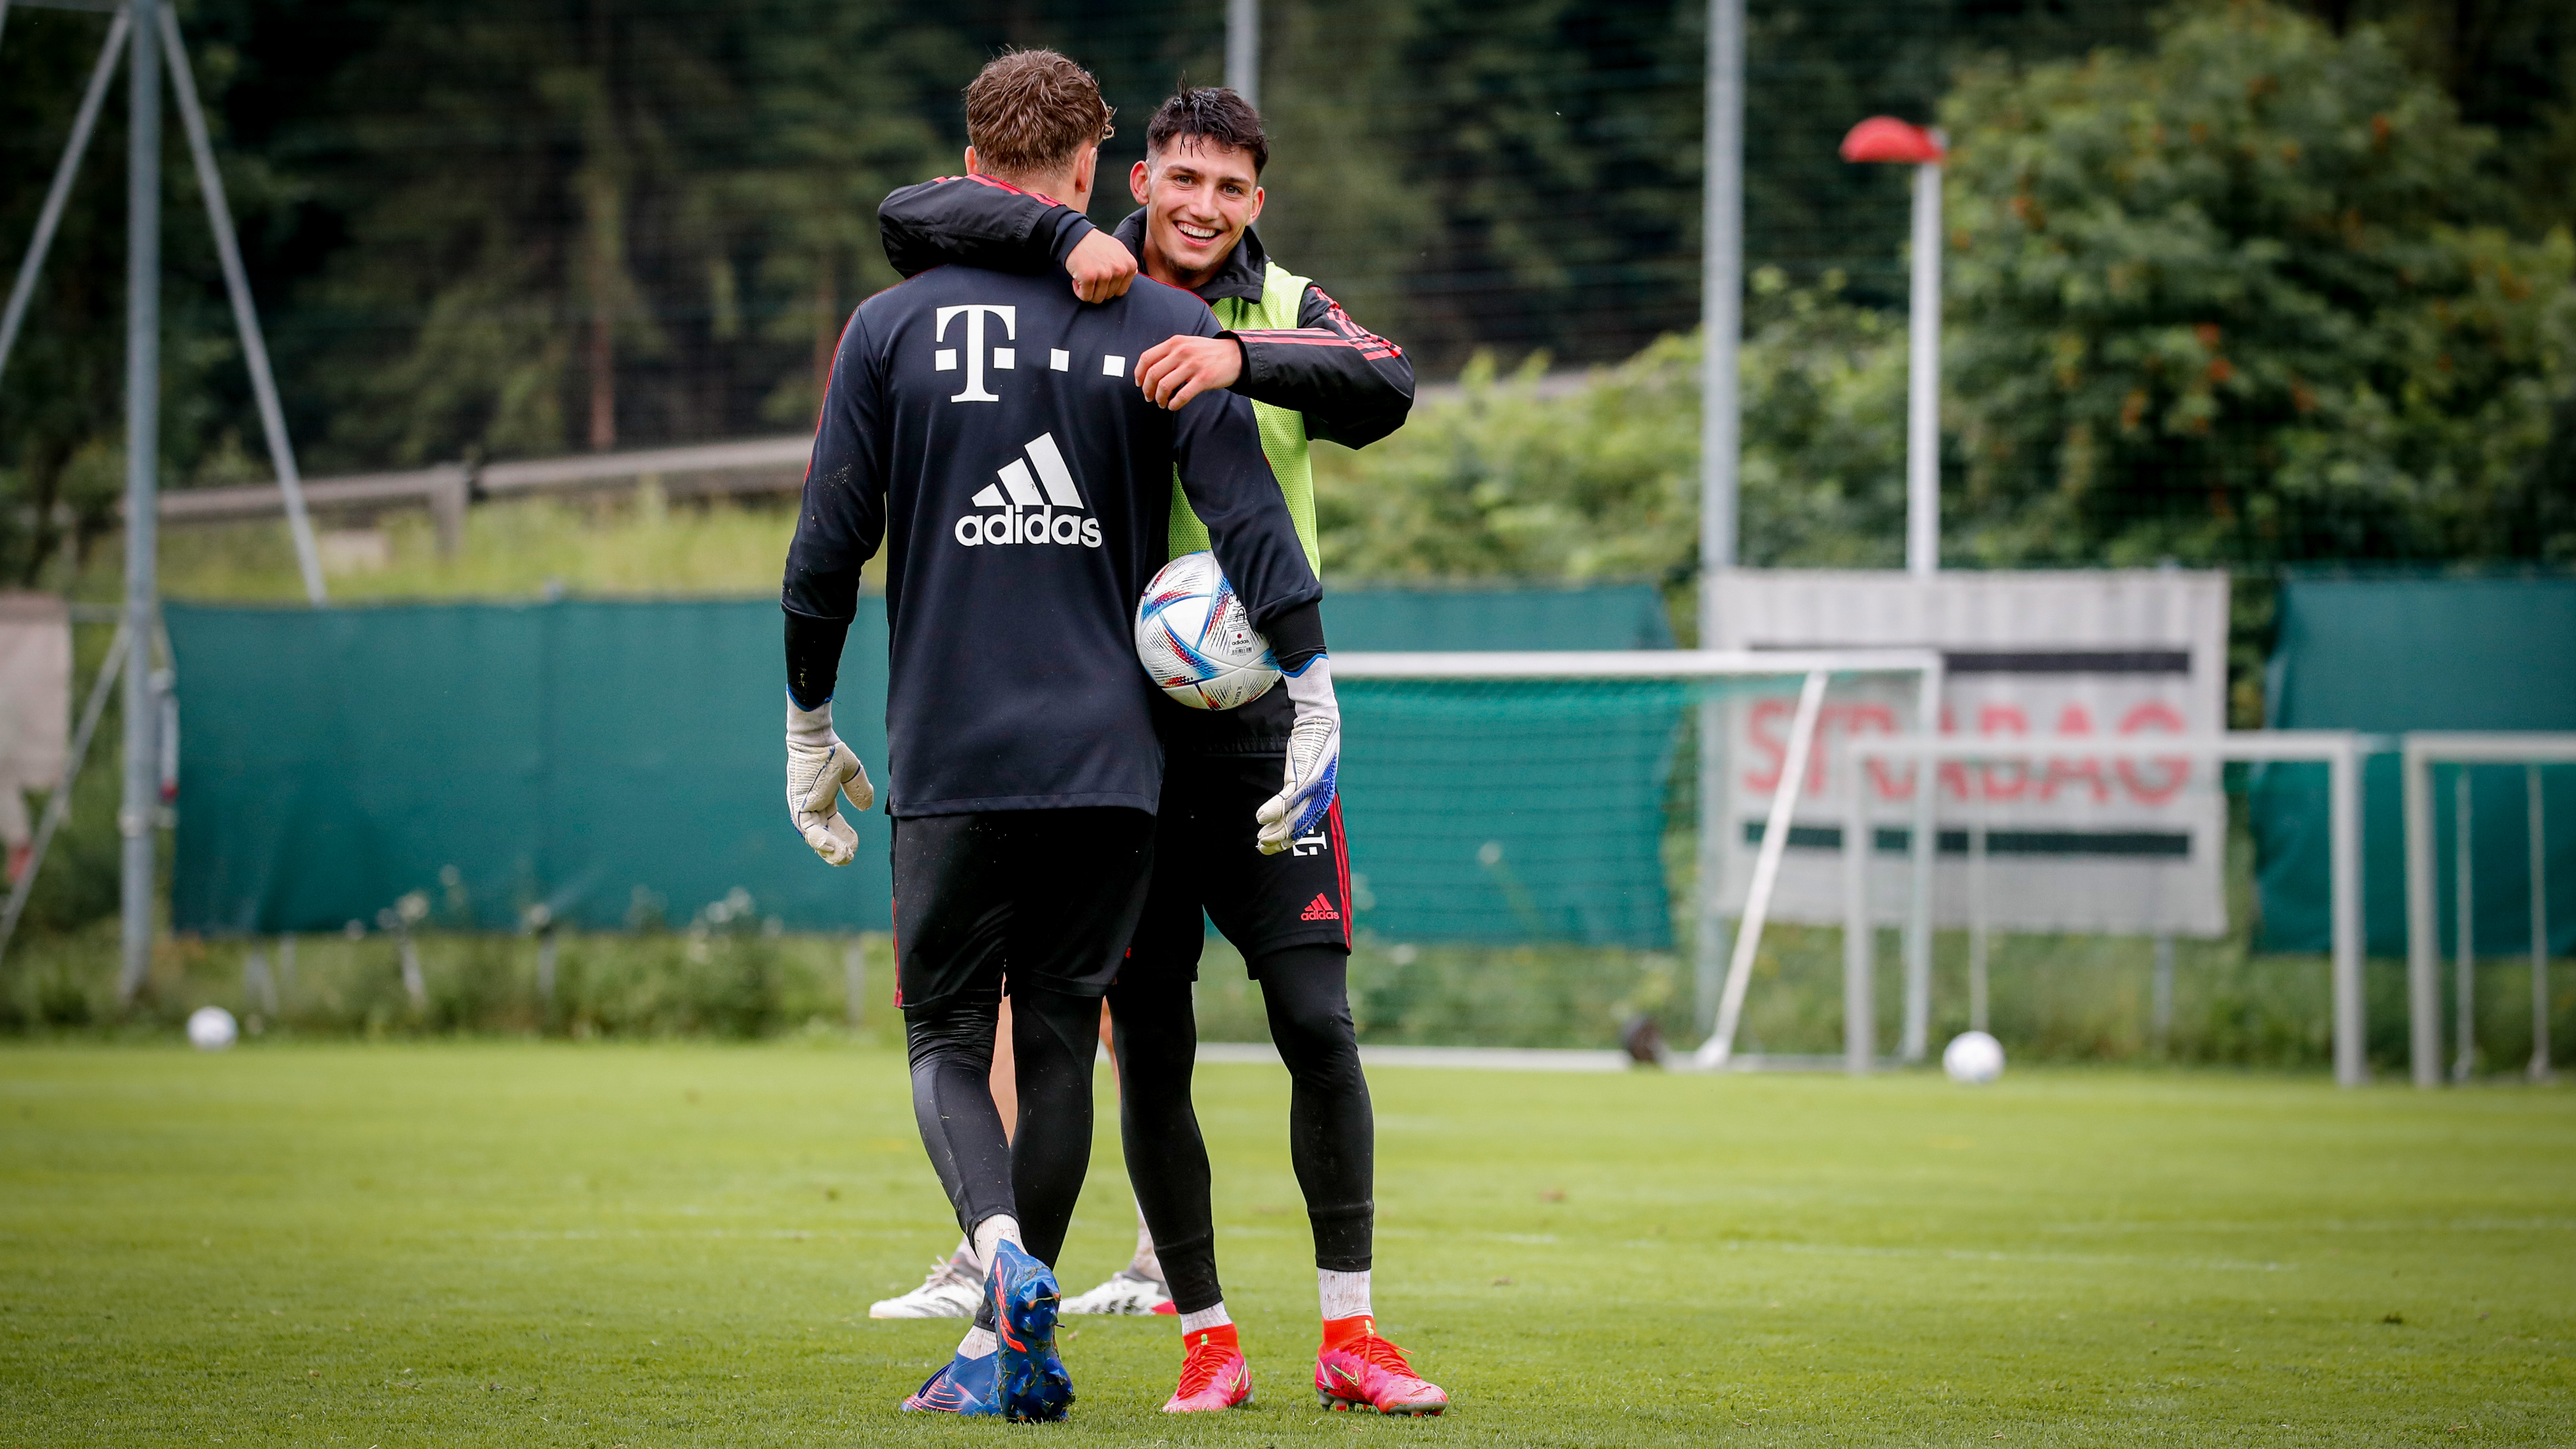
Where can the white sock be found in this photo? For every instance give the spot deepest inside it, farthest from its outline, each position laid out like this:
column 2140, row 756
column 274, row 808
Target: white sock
column 1345, row 1295
column 1205, row 1318
column 978, row 1343
column 1146, row 1263
column 991, row 1233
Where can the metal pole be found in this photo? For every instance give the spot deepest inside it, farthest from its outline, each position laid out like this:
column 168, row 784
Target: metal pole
column 1923, row 380
column 1721, row 327
column 2464, row 981
column 1977, row 912
column 1721, row 299
column 1923, row 853
column 219, row 216
column 1243, row 49
column 1860, row 939
column 2160, row 1028
column 2539, row 926
column 2423, row 926
column 2343, row 823
column 84, row 121
column 1709, row 966
column 1766, row 873
column 142, row 484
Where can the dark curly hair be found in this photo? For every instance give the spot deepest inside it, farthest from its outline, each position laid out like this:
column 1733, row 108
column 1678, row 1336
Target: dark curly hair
column 1214, row 113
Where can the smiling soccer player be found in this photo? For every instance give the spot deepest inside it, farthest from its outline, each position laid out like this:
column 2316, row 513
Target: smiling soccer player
column 1310, row 372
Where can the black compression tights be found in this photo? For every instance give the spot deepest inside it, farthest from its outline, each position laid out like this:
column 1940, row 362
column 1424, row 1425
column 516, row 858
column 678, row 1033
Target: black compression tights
column 1331, row 1131
column 1036, row 1178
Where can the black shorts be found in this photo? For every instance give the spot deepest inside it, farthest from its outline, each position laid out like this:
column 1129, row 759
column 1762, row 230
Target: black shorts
column 1045, row 897
column 1206, row 859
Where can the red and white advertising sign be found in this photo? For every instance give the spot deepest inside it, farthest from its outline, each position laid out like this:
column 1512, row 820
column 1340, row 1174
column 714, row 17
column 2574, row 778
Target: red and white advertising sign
column 2074, row 842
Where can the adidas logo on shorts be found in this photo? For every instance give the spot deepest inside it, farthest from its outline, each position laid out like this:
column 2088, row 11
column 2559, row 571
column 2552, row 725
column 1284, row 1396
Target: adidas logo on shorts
column 1320, row 909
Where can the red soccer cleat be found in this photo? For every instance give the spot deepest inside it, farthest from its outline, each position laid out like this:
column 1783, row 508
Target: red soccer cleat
column 1214, row 1375
column 1360, row 1370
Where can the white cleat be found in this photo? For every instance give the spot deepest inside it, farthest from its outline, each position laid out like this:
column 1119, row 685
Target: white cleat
column 952, row 1290
column 1126, row 1291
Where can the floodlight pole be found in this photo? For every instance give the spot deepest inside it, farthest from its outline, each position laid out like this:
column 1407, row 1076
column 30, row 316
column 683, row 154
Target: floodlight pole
column 1243, row 49
column 1721, row 312
column 1923, row 378
column 142, row 477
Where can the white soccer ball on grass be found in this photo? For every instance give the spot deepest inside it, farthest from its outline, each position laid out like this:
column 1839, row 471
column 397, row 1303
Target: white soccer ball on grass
column 211, row 1029
column 1974, row 1058
column 1196, row 639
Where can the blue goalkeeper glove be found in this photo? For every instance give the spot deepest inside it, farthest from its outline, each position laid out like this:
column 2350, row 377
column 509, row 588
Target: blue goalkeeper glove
column 820, row 769
column 1314, row 758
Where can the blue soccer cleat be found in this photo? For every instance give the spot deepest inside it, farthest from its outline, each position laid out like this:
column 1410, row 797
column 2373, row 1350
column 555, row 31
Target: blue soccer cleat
column 962, row 1386
column 1034, row 1384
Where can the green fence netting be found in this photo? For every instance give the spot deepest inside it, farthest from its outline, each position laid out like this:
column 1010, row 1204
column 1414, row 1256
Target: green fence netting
column 618, row 763
column 2391, row 655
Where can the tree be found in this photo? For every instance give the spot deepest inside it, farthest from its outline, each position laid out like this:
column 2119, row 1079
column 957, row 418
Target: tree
column 2228, row 301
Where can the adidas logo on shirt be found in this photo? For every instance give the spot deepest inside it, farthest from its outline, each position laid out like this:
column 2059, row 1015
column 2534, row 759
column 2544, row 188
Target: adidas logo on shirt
column 1029, row 515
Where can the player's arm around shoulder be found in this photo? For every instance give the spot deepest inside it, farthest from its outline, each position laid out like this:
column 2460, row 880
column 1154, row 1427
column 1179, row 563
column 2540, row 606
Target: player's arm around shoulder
column 980, row 222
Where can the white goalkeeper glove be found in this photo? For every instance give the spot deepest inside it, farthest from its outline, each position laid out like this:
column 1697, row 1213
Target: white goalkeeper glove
column 820, row 769
column 1314, row 758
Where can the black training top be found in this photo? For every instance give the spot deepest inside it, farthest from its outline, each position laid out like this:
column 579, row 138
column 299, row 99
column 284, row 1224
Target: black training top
column 985, row 428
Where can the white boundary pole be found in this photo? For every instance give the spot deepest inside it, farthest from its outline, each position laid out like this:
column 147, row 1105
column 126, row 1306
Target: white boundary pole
column 2338, row 749
column 1860, row 937
column 2343, row 828
column 2539, row 1070
column 2423, row 927
column 2464, row 979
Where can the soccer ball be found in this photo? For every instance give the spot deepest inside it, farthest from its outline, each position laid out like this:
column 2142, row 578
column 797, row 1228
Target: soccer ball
column 1974, row 1058
column 211, row 1029
column 1196, row 639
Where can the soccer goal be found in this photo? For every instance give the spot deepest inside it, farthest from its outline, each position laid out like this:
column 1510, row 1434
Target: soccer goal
column 1644, row 800
column 1510, row 798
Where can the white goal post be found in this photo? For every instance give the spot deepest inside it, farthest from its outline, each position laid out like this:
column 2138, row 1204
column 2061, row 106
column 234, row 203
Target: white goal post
column 1813, row 667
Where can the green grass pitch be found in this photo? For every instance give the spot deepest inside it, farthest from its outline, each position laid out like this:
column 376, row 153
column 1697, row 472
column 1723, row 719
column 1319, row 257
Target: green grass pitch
column 531, row 1244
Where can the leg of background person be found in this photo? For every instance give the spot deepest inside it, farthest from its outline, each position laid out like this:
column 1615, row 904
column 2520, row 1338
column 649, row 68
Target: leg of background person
column 950, row 1047
column 1054, row 1036
column 1005, row 1080
column 1145, row 1264
column 1332, row 1130
column 1155, row 1042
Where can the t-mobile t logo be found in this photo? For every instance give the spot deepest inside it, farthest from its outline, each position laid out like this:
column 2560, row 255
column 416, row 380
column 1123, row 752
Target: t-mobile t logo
column 1029, row 515
column 1003, row 360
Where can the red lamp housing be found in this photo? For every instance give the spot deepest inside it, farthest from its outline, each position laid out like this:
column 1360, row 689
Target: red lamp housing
column 1885, row 138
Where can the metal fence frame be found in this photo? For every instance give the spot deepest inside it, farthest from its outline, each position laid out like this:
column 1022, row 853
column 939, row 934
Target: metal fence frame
column 2422, row 751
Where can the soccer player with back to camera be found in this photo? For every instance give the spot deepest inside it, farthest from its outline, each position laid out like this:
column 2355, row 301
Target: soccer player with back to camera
column 983, row 429
column 1309, row 371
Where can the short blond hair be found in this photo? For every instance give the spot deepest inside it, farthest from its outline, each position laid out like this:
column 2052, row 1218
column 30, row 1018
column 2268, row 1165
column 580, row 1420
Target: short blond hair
column 1030, row 111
